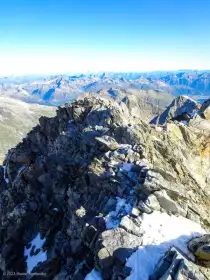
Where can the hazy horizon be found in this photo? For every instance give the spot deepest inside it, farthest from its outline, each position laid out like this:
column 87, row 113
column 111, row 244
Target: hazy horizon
column 45, row 37
column 71, row 73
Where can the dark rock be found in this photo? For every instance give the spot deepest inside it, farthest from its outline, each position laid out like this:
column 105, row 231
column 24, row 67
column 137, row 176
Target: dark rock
column 121, row 271
column 46, row 270
column 195, row 243
column 78, row 276
column 175, row 266
column 120, row 255
column 200, row 247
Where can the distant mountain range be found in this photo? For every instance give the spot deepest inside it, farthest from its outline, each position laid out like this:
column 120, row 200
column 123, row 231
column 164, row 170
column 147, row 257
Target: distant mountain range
column 157, row 87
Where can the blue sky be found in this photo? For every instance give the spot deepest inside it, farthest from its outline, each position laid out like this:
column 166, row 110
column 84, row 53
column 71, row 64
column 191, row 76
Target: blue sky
column 52, row 36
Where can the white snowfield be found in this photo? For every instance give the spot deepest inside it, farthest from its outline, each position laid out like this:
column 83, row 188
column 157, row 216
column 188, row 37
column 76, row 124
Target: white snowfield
column 112, row 219
column 32, row 261
column 161, row 232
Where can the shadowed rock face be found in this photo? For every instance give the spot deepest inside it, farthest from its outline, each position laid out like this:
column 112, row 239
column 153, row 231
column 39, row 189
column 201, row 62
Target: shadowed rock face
column 93, row 166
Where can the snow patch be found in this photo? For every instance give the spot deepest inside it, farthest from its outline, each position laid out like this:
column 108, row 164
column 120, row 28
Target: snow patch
column 114, row 217
column 188, row 97
column 32, row 261
column 5, row 179
column 183, row 123
column 94, row 275
column 124, row 146
column 127, row 166
column 194, row 113
column 158, row 128
column 161, row 232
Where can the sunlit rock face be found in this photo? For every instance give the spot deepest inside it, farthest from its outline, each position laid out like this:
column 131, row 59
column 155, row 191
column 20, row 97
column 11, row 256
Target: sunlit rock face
column 205, row 109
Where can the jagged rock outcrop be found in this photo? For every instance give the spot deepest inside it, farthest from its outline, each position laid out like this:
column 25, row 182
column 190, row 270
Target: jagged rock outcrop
column 180, row 109
column 79, row 183
column 174, row 265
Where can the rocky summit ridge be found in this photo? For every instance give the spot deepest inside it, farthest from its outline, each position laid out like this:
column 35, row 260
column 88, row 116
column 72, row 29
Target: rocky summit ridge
column 98, row 193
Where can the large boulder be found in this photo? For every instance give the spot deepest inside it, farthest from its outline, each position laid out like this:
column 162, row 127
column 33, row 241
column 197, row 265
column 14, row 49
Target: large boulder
column 180, row 109
column 116, row 246
column 200, row 247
